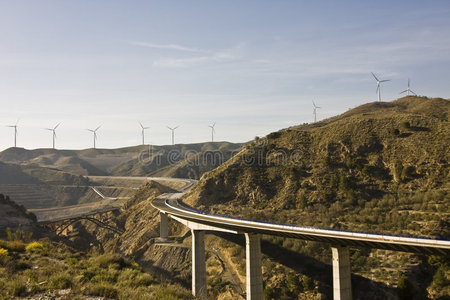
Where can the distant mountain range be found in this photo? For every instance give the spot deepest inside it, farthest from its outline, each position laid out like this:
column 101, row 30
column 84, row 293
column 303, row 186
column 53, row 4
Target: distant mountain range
column 48, row 177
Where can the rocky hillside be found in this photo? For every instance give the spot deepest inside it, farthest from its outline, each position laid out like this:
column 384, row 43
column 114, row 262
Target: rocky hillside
column 368, row 168
column 381, row 167
column 13, row 215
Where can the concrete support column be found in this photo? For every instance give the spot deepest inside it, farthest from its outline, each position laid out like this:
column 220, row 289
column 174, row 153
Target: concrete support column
column 163, row 226
column 199, row 265
column 254, row 272
column 342, row 282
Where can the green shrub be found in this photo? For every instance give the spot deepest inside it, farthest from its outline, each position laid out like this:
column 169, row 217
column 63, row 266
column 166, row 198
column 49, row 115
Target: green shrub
column 293, row 283
column 72, row 260
column 13, row 246
column 17, row 288
column 134, row 278
column 102, row 290
column 406, row 125
column 440, row 281
column 395, row 131
column 33, row 246
column 105, row 260
column 60, row 281
column 3, row 252
column 307, row 283
column 404, row 288
column 344, row 182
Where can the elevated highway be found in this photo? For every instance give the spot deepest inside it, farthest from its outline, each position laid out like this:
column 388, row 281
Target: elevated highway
column 170, row 205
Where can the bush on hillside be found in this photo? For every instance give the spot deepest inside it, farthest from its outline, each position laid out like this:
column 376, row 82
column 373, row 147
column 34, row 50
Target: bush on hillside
column 34, row 246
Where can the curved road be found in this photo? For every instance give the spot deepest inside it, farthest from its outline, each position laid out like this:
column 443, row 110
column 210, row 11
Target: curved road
column 169, row 203
column 57, row 214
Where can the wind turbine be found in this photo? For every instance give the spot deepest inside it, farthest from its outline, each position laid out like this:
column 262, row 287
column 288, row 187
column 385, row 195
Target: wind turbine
column 173, row 130
column 94, row 131
column 15, row 132
column 408, row 90
column 142, row 132
column 315, row 111
column 378, row 85
column 212, row 131
column 54, row 133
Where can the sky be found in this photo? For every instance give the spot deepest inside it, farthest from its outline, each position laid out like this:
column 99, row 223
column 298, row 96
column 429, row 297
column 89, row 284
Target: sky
column 251, row 67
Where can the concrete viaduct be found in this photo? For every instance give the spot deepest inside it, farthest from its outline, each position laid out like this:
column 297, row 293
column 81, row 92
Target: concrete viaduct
column 340, row 241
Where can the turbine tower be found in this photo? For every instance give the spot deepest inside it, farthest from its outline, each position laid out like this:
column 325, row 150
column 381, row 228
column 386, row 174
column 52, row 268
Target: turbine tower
column 315, row 111
column 378, row 86
column 15, row 132
column 408, row 90
column 54, row 133
column 173, row 135
column 94, row 131
column 212, row 131
column 143, row 132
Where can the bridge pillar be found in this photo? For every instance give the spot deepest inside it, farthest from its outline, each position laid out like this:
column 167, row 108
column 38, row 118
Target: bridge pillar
column 253, row 265
column 342, row 283
column 199, row 264
column 163, row 226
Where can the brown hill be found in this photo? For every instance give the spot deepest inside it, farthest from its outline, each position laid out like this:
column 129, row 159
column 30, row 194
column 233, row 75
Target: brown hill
column 381, row 167
column 181, row 160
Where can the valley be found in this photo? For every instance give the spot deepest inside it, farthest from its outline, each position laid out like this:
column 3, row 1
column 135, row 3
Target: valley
column 379, row 168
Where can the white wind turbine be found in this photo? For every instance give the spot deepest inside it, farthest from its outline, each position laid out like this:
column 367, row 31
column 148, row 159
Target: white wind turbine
column 94, row 131
column 143, row 132
column 53, row 130
column 408, row 90
column 15, row 132
column 173, row 135
column 212, row 131
column 378, row 85
column 315, row 111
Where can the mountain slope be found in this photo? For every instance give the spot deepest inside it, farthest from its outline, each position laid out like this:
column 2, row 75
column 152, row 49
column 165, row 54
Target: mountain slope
column 381, row 167
column 377, row 152
column 181, row 160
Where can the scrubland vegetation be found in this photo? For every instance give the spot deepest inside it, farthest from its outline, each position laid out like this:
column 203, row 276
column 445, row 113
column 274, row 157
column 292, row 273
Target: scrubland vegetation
column 381, row 167
column 29, row 268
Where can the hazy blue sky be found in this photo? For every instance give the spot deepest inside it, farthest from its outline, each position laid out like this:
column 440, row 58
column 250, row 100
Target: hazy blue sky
column 251, row 66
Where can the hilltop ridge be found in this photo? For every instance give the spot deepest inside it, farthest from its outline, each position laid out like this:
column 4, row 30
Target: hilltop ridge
column 375, row 151
column 380, row 167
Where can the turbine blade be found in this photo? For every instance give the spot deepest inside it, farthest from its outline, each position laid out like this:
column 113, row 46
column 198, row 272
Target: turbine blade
column 403, row 92
column 17, row 121
column 385, row 80
column 98, row 128
column 170, row 128
column 375, row 77
column 56, row 126
column 141, row 125
column 413, row 92
column 176, row 127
